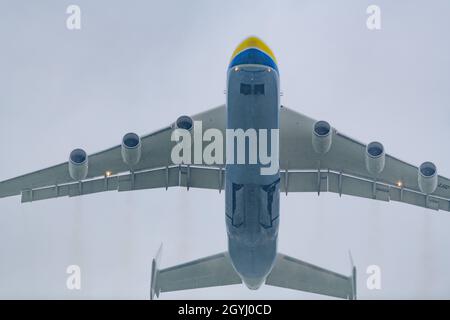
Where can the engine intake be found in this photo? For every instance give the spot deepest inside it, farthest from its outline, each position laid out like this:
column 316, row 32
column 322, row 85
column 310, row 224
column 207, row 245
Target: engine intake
column 184, row 122
column 428, row 178
column 78, row 164
column 321, row 137
column 131, row 148
column 375, row 157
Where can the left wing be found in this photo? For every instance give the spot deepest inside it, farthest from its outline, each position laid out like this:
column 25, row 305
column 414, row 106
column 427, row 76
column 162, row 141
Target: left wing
column 108, row 171
column 343, row 168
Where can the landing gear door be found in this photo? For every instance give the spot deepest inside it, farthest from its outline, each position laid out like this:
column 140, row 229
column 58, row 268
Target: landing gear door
column 269, row 201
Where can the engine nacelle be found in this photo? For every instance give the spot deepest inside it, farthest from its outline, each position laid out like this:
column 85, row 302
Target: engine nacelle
column 184, row 122
column 375, row 157
column 131, row 148
column 321, row 137
column 428, row 177
column 78, row 164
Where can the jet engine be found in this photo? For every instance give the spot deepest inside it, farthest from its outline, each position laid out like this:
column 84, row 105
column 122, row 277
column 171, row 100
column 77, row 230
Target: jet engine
column 375, row 157
column 78, row 164
column 428, row 177
column 321, row 137
column 131, row 148
column 184, row 122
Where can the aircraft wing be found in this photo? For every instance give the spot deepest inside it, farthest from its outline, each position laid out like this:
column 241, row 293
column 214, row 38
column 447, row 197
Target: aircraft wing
column 107, row 170
column 343, row 168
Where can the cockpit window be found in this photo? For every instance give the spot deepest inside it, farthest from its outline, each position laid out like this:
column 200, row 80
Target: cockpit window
column 246, row 89
column 259, row 89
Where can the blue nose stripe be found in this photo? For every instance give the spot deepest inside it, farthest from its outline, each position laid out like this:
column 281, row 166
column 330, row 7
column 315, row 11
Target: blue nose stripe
column 253, row 56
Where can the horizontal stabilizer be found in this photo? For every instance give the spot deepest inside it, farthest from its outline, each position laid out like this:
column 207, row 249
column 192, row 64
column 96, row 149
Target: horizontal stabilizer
column 299, row 275
column 211, row 271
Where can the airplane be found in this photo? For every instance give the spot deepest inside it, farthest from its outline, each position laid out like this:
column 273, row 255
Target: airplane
column 312, row 157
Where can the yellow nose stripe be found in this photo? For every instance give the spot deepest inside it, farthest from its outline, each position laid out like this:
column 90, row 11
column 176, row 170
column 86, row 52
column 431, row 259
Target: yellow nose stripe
column 254, row 42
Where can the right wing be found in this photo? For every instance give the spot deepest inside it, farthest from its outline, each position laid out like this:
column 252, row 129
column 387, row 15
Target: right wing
column 154, row 170
column 343, row 169
column 299, row 275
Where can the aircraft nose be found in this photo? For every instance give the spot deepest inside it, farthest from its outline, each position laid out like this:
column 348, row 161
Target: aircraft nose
column 253, row 51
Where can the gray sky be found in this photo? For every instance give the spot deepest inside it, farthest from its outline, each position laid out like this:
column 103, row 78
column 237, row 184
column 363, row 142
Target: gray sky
column 138, row 65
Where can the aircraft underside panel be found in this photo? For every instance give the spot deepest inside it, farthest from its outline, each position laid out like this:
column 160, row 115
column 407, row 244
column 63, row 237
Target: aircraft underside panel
column 174, row 176
column 249, row 199
column 342, row 183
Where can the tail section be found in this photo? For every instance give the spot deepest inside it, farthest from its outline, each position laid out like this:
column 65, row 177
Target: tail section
column 217, row 270
column 299, row 275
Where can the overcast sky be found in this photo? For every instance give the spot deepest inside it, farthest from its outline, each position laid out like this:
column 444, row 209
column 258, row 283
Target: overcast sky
column 138, row 65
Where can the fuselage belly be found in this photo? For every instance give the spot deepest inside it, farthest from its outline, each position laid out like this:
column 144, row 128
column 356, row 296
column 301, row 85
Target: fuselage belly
column 252, row 198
